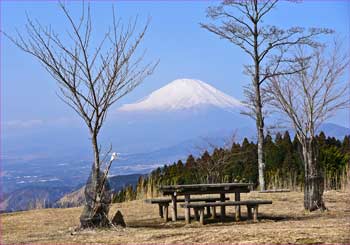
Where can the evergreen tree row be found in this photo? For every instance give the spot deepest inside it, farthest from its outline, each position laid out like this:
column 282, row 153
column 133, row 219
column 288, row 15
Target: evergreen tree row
column 284, row 166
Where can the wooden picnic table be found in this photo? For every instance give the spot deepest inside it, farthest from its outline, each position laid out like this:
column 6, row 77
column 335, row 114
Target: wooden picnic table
column 199, row 189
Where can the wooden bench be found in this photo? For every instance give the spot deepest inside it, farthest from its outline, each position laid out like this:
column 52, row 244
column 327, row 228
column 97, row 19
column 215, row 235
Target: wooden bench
column 251, row 204
column 163, row 204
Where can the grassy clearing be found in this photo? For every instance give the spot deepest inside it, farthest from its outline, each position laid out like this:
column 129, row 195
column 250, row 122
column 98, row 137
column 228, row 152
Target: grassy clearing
column 285, row 221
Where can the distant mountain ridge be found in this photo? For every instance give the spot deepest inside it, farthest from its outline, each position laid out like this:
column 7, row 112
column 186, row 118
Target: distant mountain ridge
column 332, row 129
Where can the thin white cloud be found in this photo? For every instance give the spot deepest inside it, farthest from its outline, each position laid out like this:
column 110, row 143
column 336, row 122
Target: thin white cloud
column 17, row 124
column 33, row 123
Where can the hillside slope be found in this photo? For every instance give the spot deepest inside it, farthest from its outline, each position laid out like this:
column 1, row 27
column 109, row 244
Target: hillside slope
column 33, row 197
column 77, row 198
column 285, row 221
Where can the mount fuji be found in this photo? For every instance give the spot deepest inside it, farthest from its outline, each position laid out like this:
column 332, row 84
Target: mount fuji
column 182, row 94
column 183, row 110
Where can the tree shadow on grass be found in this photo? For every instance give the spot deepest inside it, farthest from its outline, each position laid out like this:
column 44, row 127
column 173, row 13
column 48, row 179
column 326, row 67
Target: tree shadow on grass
column 158, row 223
column 155, row 223
column 287, row 217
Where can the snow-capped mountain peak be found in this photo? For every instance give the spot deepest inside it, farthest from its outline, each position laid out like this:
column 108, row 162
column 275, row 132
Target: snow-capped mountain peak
column 183, row 94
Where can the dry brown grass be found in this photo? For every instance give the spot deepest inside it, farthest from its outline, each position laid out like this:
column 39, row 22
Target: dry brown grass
column 285, row 221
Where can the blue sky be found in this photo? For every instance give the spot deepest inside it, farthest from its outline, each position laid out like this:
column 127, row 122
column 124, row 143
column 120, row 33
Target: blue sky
column 184, row 49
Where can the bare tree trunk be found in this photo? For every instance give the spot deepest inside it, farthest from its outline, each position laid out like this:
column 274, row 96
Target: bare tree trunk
column 96, row 167
column 97, row 197
column 314, row 181
column 96, row 153
column 258, row 108
column 261, row 164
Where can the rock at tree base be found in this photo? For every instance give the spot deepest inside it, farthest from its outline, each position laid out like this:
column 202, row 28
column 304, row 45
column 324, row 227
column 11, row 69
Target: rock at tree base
column 94, row 218
column 95, row 213
column 118, row 219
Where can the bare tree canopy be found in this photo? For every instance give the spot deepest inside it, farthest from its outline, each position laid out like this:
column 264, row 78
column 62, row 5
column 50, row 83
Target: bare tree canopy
column 314, row 94
column 210, row 167
column 241, row 23
column 90, row 76
column 308, row 98
column 90, row 79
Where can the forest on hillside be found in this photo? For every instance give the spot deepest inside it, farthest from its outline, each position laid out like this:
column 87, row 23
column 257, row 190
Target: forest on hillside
column 284, row 166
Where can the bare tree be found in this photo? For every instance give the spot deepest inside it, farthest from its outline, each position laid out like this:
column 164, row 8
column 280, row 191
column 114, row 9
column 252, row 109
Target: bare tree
column 240, row 22
column 210, row 166
column 90, row 80
column 308, row 98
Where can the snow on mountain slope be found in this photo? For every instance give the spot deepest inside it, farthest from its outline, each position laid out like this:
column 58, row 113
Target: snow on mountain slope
column 183, row 94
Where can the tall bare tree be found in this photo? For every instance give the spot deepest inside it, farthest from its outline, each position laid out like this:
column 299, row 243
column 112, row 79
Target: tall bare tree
column 241, row 23
column 90, row 80
column 308, row 98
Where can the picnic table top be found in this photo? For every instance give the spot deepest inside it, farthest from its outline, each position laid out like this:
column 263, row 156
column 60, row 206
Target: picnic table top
column 205, row 185
column 205, row 188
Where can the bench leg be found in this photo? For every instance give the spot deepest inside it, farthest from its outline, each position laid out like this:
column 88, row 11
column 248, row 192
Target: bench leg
column 255, row 213
column 222, row 214
column 187, row 215
column 187, row 210
column 238, row 213
column 196, row 214
column 208, row 211
column 160, row 210
column 238, row 208
column 223, row 210
column 213, row 212
column 174, row 213
column 249, row 211
column 166, row 211
column 201, row 216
